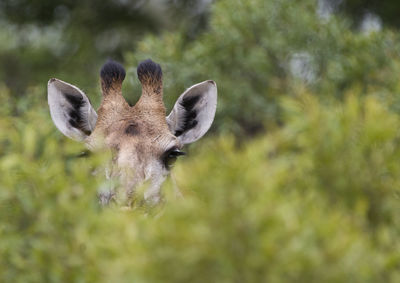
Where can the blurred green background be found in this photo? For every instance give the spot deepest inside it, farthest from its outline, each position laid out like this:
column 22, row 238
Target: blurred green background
column 298, row 180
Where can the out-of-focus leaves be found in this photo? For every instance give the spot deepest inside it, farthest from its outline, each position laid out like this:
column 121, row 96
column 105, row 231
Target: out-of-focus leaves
column 387, row 10
column 315, row 200
column 258, row 51
column 71, row 39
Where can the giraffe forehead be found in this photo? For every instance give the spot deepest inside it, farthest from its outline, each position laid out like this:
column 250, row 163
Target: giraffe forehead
column 144, row 128
column 134, row 119
column 148, row 121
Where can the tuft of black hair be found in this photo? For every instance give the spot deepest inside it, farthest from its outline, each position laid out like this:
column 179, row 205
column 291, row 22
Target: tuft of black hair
column 112, row 72
column 149, row 72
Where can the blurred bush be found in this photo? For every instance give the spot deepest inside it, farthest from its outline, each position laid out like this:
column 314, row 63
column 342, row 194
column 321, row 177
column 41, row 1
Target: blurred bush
column 41, row 39
column 315, row 200
column 387, row 11
column 258, row 51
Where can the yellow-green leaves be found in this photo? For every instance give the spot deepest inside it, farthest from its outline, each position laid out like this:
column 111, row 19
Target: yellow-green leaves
column 315, row 200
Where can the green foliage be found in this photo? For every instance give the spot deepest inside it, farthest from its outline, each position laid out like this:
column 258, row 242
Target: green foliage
column 313, row 201
column 387, row 10
column 257, row 51
column 71, row 39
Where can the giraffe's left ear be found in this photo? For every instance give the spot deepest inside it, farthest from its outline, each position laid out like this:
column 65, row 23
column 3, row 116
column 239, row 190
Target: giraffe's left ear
column 193, row 112
column 70, row 110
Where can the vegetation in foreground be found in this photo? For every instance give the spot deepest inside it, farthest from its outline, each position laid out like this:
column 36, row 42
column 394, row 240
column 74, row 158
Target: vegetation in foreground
column 315, row 200
column 311, row 197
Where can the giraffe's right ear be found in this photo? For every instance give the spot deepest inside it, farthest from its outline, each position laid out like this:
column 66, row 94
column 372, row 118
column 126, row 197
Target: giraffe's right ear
column 70, row 110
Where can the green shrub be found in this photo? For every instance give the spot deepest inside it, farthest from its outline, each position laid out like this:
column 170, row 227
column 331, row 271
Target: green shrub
column 258, row 51
column 314, row 201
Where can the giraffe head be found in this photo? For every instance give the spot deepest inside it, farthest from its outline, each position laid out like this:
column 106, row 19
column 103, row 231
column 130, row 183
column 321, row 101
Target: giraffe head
column 144, row 141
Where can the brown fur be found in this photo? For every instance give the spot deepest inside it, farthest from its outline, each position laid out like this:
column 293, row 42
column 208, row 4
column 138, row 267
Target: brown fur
column 138, row 135
column 143, row 140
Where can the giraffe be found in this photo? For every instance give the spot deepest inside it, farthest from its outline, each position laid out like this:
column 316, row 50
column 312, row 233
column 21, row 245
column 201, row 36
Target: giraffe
column 144, row 141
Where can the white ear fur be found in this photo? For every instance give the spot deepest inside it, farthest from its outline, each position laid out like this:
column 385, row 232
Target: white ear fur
column 70, row 110
column 193, row 112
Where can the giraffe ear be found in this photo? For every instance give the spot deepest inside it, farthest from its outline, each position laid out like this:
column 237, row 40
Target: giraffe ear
column 193, row 112
column 70, row 110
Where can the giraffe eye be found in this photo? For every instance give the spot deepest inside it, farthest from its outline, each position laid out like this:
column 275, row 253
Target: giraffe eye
column 170, row 157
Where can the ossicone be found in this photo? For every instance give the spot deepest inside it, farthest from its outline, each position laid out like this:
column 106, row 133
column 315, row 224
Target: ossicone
column 149, row 74
column 112, row 75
